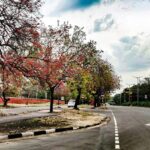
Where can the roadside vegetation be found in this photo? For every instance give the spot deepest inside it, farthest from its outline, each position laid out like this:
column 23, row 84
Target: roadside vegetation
column 135, row 95
column 25, row 101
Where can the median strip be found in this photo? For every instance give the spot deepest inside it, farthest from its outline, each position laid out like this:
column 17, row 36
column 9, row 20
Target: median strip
column 13, row 136
column 67, row 120
column 48, row 131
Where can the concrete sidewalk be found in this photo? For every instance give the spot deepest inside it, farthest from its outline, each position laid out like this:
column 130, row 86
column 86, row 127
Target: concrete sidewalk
column 22, row 110
column 15, row 114
column 27, row 109
column 30, row 115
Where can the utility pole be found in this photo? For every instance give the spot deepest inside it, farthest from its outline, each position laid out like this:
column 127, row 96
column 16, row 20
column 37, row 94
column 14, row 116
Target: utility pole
column 147, row 79
column 138, row 90
column 120, row 91
column 129, row 86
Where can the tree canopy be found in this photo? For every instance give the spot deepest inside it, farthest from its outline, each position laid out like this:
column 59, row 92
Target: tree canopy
column 50, row 55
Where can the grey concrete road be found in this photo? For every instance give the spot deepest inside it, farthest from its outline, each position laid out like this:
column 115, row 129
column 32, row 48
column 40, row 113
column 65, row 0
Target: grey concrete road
column 76, row 140
column 134, row 127
column 130, row 126
column 128, row 129
column 89, row 139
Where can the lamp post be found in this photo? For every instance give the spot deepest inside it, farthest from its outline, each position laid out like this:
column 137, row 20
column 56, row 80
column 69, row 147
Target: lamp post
column 120, row 92
column 138, row 88
column 148, row 86
column 129, row 86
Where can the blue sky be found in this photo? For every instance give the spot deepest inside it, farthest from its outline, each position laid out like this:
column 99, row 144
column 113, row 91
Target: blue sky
column 79, row 4
column 120, row 27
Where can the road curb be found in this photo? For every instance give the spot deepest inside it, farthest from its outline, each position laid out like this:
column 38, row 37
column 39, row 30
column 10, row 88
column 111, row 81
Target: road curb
column 47, row 131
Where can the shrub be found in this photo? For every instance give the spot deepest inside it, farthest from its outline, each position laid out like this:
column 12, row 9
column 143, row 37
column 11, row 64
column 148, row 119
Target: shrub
column 15, row 100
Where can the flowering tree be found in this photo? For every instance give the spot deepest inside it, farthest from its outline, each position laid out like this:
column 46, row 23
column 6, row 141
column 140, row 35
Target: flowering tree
column 48, row 63
column 62, row 90
column 18, row 33
column 8, row 79
column 18, row 21
column 57, row 56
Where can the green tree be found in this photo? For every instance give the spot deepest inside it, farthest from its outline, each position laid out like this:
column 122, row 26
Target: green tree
column 104, row 80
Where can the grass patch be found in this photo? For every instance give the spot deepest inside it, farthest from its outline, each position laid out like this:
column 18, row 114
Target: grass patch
column 33, row 124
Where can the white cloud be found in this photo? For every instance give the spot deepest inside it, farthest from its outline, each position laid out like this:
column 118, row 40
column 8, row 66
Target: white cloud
column 103, row 24
column 133, row 53
column 49, row 6
column 115, row 19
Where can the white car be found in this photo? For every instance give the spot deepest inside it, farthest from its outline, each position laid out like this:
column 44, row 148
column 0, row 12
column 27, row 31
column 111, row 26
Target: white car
column 71, row 103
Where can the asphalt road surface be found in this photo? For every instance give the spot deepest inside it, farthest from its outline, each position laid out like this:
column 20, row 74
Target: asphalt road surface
column 128, row 129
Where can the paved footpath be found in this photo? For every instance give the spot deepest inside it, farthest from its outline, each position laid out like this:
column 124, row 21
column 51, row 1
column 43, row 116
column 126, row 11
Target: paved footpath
column 22, row 109
column 26, row 113
column 25, row 116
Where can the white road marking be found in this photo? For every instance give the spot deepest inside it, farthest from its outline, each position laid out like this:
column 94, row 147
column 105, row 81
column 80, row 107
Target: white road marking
column 117, row 145
column 116, row 142
column 148, row 124
column 116, row 138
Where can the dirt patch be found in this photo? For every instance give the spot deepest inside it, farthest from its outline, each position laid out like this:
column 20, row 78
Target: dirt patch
column 63, row 119
column 81, row 118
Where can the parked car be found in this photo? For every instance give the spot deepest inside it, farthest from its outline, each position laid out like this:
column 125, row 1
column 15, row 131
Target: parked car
column 71, row 103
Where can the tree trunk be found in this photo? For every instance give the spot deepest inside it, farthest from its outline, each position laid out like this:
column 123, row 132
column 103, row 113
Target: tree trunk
column 77, row 99
column 52, row 99
column 98, row 101
column 95, row 101
column 5, row 100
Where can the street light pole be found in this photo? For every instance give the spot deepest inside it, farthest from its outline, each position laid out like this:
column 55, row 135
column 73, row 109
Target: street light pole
column 129, row 85
column 120, row 91
column 148, row 83
column 138, row 94
column 138, row 90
